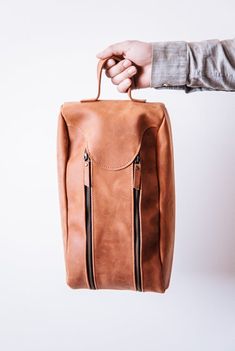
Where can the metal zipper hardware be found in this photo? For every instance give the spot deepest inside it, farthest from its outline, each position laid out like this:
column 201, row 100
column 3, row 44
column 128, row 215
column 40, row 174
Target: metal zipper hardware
column 88, row 216
column 136, row 198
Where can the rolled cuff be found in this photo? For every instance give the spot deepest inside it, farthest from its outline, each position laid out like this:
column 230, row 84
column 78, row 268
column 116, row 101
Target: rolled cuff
column 169, row 64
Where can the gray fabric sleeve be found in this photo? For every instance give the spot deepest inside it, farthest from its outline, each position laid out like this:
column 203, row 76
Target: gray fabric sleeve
column 194, row 66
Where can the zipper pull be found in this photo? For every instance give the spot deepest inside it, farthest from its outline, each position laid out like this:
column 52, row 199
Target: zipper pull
column 87, row 169
column 137, row 172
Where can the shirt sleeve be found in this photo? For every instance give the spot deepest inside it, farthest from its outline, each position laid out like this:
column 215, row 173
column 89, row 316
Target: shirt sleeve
column 193, row 66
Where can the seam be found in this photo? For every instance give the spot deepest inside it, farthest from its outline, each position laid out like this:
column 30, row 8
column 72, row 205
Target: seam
column 130, row 161
column 138, row 145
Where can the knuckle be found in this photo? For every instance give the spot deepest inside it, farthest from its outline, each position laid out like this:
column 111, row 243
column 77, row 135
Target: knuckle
column 128, row 42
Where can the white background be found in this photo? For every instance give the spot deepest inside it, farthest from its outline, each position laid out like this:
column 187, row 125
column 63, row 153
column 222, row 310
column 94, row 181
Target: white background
column 48, row 53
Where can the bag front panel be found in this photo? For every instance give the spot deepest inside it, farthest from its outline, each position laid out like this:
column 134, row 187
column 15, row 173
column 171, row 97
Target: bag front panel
column 112, row 193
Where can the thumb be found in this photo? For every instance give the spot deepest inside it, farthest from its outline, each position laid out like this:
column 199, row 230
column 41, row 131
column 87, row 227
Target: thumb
column 118, row 49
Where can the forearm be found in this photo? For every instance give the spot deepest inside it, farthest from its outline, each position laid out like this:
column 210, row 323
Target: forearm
column 194, row 66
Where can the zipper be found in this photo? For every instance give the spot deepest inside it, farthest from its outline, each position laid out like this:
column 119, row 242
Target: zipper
column 136, row 198
column 88, row 220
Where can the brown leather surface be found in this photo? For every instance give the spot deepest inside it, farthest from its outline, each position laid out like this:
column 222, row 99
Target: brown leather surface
column 165, row 169
column 150, row 216
column 70, row 172
column 112, row 228
column 113, row 132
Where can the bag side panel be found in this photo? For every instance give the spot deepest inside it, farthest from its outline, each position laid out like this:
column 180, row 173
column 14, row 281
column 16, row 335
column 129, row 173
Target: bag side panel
column 165, row 167
column 62, row 158
column 151, row 263
column 76, row 249
column 70, row 156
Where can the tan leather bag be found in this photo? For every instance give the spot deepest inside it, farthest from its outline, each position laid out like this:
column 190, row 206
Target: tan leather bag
column 117, row 193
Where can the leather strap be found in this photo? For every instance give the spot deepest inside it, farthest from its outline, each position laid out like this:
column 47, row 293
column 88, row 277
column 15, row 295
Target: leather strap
column 100, row 66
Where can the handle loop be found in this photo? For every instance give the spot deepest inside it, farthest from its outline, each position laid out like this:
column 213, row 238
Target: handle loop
column 100, row 66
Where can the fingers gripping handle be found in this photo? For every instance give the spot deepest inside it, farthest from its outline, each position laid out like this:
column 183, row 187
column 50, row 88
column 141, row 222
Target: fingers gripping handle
column 100, row 66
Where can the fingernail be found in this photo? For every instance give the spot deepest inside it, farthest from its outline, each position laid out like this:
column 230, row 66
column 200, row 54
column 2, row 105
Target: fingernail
column 131, row 70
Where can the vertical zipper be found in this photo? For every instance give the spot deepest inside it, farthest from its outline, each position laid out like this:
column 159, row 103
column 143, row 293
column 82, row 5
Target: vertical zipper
column 136, row 198
column 88, row 216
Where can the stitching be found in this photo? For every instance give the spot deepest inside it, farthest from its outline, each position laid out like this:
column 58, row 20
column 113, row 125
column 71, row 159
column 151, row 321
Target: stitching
column 110, row 167
column 129, row 162
column 138, row 146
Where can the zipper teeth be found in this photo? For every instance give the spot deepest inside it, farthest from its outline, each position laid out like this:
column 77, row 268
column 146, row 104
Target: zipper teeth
column 88, row 212
column 136, row 194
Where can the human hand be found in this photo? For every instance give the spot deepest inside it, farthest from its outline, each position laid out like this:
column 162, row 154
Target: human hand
column 135, row 66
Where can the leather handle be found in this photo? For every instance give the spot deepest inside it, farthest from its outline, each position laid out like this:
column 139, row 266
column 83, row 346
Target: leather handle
column 100, row 66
